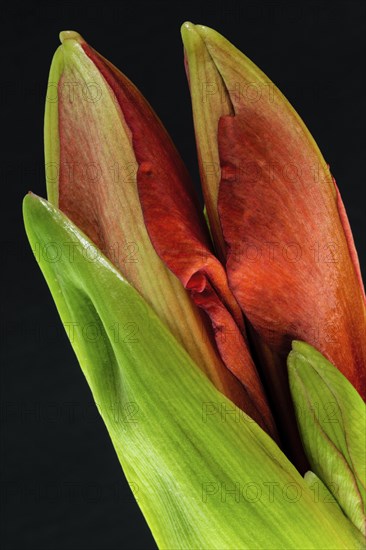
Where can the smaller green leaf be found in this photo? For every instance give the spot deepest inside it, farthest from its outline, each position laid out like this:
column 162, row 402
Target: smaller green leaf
column 332, row 420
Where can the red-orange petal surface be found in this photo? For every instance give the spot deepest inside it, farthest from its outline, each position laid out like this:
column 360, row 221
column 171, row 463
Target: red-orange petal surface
column 291, row 260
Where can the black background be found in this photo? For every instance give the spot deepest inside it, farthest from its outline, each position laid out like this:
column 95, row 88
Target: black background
column 62, row 486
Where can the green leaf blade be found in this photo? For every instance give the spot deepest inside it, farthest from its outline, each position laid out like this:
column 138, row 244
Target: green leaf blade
column 202, row 470
column 332, row 420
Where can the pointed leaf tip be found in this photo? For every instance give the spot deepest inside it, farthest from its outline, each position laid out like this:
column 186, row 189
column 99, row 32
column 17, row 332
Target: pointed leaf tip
column 187, row 25
column 70, row 35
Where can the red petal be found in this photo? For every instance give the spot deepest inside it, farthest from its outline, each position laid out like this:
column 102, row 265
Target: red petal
column 291, row 260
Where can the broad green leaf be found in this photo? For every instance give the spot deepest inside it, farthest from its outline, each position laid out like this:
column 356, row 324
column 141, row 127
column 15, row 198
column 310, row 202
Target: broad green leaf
column 204, row 474
column 332, row 420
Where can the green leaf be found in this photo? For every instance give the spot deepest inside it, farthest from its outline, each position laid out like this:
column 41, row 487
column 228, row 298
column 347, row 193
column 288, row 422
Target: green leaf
column 332, row 420
column 204, row 474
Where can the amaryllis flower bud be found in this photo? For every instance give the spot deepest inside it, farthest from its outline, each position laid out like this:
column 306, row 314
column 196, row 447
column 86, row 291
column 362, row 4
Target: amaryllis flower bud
column 108, row 145
column 289, row 253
